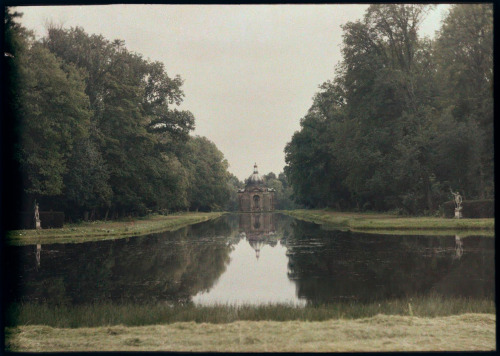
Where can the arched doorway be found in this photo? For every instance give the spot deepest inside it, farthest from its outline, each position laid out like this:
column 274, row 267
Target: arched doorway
column 256, row 202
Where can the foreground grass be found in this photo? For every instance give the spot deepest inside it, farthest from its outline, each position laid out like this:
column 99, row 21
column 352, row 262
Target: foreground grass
column 130, row 314
column 378, row 333
column 384, row 223
column 106, row 230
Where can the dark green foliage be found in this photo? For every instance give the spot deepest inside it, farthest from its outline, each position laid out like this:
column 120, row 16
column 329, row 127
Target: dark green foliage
column 48, row 219
column 51, row 219
column 26, row 221
column 405, row 120
column 234, row 184
column 479, row 208
column 98, row 134
column 14, row 40
column 87, row 181
column 53, row 113
column 208, row 188
column 471, row 209
column 464, row 56
column 283, row 192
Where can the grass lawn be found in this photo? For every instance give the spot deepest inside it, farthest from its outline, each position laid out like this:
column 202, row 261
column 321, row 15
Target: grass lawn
column 107, row 230
column 384, row 223
column 378, row 333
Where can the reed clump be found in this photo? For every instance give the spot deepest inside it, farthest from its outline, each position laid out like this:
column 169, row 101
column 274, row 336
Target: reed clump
column 127, row 314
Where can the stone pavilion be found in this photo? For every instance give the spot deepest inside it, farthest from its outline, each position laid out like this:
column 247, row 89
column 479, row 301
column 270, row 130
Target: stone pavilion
column 256, row 196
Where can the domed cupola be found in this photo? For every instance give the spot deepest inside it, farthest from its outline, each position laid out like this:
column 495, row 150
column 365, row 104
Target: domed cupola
column 256, row 196
column 255, row 178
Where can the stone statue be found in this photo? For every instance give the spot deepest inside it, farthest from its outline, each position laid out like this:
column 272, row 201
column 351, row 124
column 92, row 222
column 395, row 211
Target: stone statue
column 458, row 204
column 37, row 217
column 458, row 199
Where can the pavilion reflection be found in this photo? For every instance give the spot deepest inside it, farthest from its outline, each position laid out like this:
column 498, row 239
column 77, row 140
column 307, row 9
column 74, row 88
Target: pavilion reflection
column 259, row 230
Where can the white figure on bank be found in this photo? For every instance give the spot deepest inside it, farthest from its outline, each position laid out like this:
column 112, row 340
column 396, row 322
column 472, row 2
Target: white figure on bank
column 37, row 217
column 458, row 204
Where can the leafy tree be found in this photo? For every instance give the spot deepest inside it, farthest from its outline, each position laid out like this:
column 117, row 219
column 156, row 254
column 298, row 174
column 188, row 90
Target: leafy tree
column 87, row 187
column 171, row 183
column 312, row 167
column 15, row 43
column 54, row 113
column 208, row 183
column 385, row 83
column 233, row 185
column 283, row 199
column 404, row 119
column 98, row 131
column 464, row 57
column 136, row 132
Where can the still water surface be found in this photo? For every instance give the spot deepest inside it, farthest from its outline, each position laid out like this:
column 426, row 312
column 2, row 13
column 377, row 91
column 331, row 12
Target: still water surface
column 252, row 259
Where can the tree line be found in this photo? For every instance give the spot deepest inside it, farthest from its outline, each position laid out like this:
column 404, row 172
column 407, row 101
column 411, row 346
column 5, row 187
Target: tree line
column 97, row 131
column 405, row 119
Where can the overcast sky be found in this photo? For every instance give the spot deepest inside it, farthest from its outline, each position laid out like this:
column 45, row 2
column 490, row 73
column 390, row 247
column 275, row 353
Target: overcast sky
column 250, row 71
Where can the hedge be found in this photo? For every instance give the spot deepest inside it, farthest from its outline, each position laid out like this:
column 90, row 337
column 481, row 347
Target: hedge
column 48, row 220
column 471, row 209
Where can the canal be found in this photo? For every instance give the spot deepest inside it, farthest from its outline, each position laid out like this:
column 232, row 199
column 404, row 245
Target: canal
column 252, row 259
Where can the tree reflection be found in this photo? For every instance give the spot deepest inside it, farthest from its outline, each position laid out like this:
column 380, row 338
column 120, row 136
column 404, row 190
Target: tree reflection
column 169, row 266
column 324, row 265
column 334, row 265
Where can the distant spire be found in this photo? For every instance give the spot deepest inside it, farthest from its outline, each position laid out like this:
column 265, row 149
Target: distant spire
column 255, row 168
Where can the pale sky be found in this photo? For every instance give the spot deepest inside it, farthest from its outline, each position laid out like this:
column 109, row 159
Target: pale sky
column 250, row 71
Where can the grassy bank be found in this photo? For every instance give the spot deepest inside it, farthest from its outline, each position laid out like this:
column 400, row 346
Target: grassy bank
column 383, row 223
column 105, row 314
column 106, row 230
column 378, row 333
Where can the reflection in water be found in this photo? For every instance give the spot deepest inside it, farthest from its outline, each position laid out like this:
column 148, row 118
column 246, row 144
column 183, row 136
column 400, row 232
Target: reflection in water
column 459, row 249
column 38, row 250
column 250, row 280
column 334, row 265
column 215, row 262
column 169, row 266
column 259, row 230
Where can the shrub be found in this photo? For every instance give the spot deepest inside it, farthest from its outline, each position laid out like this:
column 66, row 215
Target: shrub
column 51, row 219
column 448, row 209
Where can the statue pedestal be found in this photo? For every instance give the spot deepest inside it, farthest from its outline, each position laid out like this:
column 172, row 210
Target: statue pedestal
column 458, row 213
column 38, row 224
